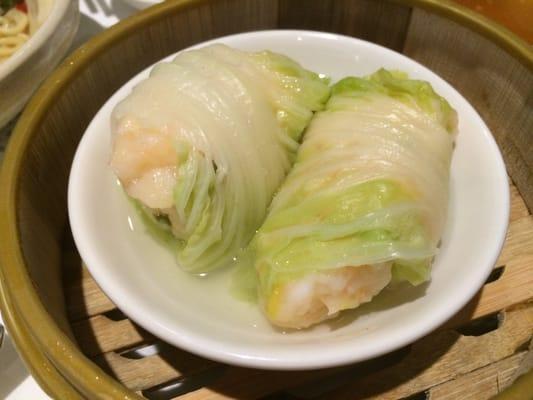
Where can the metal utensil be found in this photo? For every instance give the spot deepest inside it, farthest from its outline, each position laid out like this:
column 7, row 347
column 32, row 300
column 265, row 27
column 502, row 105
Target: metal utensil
column 1, row 335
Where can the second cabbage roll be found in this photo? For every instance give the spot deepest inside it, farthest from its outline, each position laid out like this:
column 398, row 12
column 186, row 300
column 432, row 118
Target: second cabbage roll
column 365, row 203
column 205, row 141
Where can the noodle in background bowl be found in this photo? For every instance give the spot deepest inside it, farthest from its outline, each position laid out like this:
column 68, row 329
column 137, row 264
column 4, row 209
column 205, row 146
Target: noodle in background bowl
column 23, row 71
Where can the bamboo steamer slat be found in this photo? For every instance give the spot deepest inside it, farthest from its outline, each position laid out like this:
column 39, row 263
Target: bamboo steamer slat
column 76, row 342
column 107, row 338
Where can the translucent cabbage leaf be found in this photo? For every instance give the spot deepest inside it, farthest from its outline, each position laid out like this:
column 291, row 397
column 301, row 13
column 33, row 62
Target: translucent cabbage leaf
column 207, row 139
column 365, row 201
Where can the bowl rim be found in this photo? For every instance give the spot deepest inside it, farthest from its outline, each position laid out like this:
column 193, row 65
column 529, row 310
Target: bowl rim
column 59, row 8
column 58, row 347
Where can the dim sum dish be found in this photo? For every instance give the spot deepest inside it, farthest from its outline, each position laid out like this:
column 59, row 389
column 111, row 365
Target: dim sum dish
column 365, row 203
column 256, row 196
column 205, row 141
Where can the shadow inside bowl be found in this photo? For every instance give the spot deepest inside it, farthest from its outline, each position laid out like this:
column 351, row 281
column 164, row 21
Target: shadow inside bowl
column 389, row 298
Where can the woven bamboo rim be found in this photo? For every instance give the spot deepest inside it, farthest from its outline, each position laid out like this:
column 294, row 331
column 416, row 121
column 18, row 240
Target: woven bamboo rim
column 49, row 348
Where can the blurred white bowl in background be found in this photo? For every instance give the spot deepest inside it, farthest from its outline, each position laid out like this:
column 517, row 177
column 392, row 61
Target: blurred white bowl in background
column 22, row 72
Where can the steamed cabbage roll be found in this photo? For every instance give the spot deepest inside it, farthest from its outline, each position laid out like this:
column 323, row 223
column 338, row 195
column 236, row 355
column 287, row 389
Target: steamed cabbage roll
column 203, row 143
column 364, row 204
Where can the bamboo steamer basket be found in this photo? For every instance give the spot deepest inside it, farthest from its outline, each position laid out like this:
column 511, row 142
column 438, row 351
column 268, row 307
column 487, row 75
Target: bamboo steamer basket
column 78, row 345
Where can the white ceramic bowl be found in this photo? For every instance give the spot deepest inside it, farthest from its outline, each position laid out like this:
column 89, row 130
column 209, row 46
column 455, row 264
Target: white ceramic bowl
column 200, row 314
column 22, row 72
